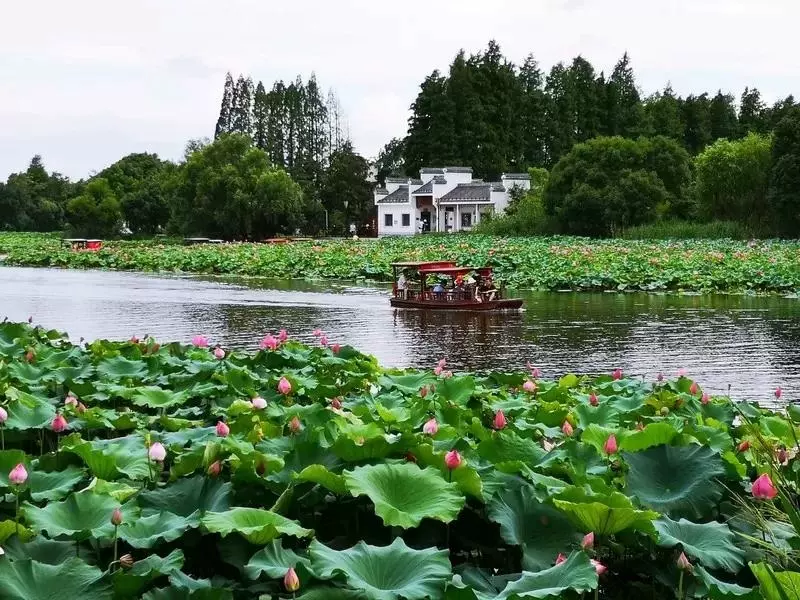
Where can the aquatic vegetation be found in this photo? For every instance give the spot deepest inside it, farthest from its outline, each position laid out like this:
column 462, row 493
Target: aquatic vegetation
column 545, row 263
column 297, row 470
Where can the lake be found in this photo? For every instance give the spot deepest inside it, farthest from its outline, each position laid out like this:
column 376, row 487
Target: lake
column 748, row 343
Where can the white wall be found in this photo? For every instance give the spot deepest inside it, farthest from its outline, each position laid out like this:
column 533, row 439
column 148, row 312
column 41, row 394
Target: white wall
column 500, row 200
column 397, row 211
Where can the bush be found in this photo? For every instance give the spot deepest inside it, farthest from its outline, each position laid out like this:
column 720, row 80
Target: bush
column 96, row 212
column 686, row 230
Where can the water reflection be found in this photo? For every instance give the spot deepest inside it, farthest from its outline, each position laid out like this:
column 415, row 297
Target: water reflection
column 748, row 342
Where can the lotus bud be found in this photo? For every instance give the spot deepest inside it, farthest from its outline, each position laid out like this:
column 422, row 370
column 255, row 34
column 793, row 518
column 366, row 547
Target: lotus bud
column 290, row 581
column 778, row 393
column 764, row 489
column 284, row 387
column 317, row 333
column 681, row 372
column 258, row 403
column 261, row 468
column 452, row 459
column 693, row 388
column 70, row 400
column 499, row 420
column 431, row 427
column 423, row 391
column 30, row 319
column 442, row 363
column 336, row 348
column 268, row 342
column 295, row 424
column 610, row 447
column 599, row 567
column 683, row 563
column 157, row 452
column 588, row 541
column 214, row 469
column 743, row 447
column 3, row 415
column 282, row 336
column 782, row 455
column 410, row 457
column 116, row 517
column 664, row 411
column 705, row 399
column 660, row 377
column 323, row 341
column 200, row 341
column 30, row 356
column 59, row 424
column 567, row 429
column 593, row 399
column 617, row 374
column 126, row 561
column 336, row 403
column 219, row 353
column 222, row 429
column 18, row 475
column 529, row 386
column 560, row 559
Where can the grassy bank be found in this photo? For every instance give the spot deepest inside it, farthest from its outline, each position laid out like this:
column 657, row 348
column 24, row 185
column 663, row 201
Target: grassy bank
column 546, row 263
column 229, row 468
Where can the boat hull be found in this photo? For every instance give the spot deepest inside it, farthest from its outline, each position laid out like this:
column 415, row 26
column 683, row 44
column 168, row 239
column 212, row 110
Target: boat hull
column 503, row 304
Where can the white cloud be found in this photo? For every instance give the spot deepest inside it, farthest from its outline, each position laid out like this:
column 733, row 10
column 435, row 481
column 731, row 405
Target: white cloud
column 87, row 81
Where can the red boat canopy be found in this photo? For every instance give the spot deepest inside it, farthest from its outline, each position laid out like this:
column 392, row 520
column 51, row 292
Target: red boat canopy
column 455, row 271
column 426, row 265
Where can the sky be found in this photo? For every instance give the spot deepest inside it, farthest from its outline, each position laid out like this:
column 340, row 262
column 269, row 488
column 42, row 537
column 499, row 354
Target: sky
column 85, row 82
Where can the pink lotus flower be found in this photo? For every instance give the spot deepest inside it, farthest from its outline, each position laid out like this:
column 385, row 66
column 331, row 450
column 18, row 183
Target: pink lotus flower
column 529, row 386
column 743, row 447
column 3, row 415
column 222, row 429
column 269, row 343
column 157, row 452
column 617, row 374
column 423, row 391
column 778, row 393
column 219, row 353
column 258, row 403
column 323, row 341
column 610, row 447
column 681, row 372
column 567, row 429
column 442, row 363
column 116, row 517
column 588, row 541
column 317, row 332
column 438, row 371
column 290, row 581
column 200, row 341
column 499, row 420
column 693, row 388
column 683, row 563
column 593, row 399
column 431, row 427
column 18, row 475
column 284, row 387
column 336, row 403
column 764, row 489
column 705, row 399
column 660, row 377
column 70, row 400
column 599, row 567
column 452, row 459
column 295, row 425
column 560, row 559
column 59, row 424
column 336, row 348
column 282, row 336
column 782, row 456
column 535, row 372
column 214, row 469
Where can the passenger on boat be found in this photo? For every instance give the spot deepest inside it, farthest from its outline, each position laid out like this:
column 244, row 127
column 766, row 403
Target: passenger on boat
column 489, row 289
column 402, row 285
column 438, row 290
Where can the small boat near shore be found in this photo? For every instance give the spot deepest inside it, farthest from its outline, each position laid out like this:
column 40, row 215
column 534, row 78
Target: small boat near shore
column 442, row 285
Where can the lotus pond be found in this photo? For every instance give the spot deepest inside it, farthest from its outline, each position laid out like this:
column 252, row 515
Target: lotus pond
column 139, row 470
column 540, row 263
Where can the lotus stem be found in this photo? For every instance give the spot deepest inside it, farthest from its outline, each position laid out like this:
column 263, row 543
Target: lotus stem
column 116, row 541
column 597, row 591
column 16, row 512
column 680, row 586
column 2, row 438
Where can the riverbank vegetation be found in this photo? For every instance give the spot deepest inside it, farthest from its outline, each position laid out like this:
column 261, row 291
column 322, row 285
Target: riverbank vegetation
column 543, row 263
column 162, row 471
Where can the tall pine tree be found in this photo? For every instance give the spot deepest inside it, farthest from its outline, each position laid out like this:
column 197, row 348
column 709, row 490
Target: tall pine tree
column 722, row 117
column 261, row 117
column 751, row 113
column 624, row 113
column 224, row 120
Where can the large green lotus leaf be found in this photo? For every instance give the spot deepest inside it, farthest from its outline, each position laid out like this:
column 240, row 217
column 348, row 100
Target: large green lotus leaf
column 183, row 593
column 120, row 368
column 654, row 434
column 576, row 573
column 189, row 497
column 321, row 475
column 457, row 390
column 147, row 532
column 679, row 481
column 8, row 460
column 116, row 489
column 39, row 549
column 391, row 572
column 330, row 593
column 507, row 447
column 129, row 583
column 26, row 411
column 540, row 529
column 465, row 477
column 30, row 580
column 604, row 514
column 404, row 494
column 112, row 458
column 597, row 436
column 357, row 443
column 273, row 561
column 604, row 415
column 716, row 589
column 472, row 583
column 776, row 585
column 54, row 485
column 79, row 517
column 256, row 525
column 582, row 461
column 717, row 437
column 713, row 544
column 9, row 528
column 155, row 397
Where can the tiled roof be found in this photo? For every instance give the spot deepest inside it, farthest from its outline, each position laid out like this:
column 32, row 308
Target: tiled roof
column 399, row 196
column 439, row 179
column 458, row 169
column 425, row 189
column 497, row 186
column 381, row 191
column 468, row 191
column 516, row 176
column 429, row 170
column 397, row 180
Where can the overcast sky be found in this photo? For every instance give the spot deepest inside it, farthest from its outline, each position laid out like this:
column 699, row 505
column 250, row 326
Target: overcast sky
column 86, row 82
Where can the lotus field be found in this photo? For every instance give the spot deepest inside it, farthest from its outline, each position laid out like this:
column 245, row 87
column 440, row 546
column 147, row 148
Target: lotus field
column 139, row 470
column 554, row 263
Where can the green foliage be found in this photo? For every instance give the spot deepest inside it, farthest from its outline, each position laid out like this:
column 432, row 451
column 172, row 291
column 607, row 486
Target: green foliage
column 673, row 229
column 34, row 200
column 96, row 212
column 784, row 187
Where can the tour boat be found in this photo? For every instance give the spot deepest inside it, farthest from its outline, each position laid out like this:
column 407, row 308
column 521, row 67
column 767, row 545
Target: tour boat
column 418, row 293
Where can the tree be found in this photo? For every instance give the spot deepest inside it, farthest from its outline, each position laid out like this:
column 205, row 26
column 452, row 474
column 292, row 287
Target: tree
column 531, row 145
column 752, row 111
column 346, row 182
column 723, row 121
column 225, row 111
column 390, row 161
column 732, row 178
column 261, row 118
column 96, row 212
column 663, row 115
column 697, row 123
column 242, row 107
column 624, row 112
column 431, row 127
column 34, row 200
column 783, row 196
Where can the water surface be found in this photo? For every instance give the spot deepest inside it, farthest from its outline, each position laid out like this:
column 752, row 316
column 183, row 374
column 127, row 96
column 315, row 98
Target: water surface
column 749, row 343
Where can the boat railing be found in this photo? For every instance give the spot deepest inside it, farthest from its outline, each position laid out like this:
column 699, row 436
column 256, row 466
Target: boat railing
column 446, row 296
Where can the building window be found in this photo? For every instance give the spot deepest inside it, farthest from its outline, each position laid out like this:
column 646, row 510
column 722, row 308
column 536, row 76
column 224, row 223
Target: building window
column 466, row 219
column 406, row 220
column 387, row 220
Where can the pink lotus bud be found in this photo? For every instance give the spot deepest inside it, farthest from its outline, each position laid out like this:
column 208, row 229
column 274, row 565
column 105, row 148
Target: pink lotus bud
column 70, row 400
column 764, row 489
column 410, row 457
column 336, row 348
column 452, row 459
column 567, row 429
column 290, row 581
column 683, row 563
column 442, row 363
column 437, row 371
column 617, row 374
column 610, row 447
column 295, row 424
column 59, row 424
column 219, row 353
column 423, row 391
column 499, row 420
column 705, row 399
column 30, row 356
column 126, row 561
column 693, row 388
column 336, row 403
column 214, row 469
column 588, row 541
column 18, row 475
column 778, row 393
column 431, row 427
column 743, row 447
column 535, row 372
column 134, row 340
column 157, row 452
column 529, row 386
column 599, row 567
column 269, row 343
column 284, row 387
column 593, row 399
column 782, row 456
column 560, row 559
column 200, row 341
column 222, row 429
column 3, row 415
column 317, row 332
column 323, row 341
column 660, row 377
column 258, row 403
column 681, row 372
column 282, row 336
column 116, row 517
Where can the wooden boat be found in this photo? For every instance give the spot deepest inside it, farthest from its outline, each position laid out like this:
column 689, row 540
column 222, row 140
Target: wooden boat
column 419, row 294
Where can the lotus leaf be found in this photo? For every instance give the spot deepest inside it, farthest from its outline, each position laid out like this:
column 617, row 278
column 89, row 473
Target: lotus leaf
column 604, row 514
column 713, row 544
column 256, row 525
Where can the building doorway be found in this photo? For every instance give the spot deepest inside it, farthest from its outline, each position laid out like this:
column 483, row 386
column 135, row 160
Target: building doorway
column 425, row 218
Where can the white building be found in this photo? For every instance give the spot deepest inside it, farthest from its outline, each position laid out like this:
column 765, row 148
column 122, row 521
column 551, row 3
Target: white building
column 447, row 199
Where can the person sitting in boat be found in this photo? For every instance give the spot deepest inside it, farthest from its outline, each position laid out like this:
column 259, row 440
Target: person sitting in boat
column 438, row 290
column 489, row 289
column 402, row 285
